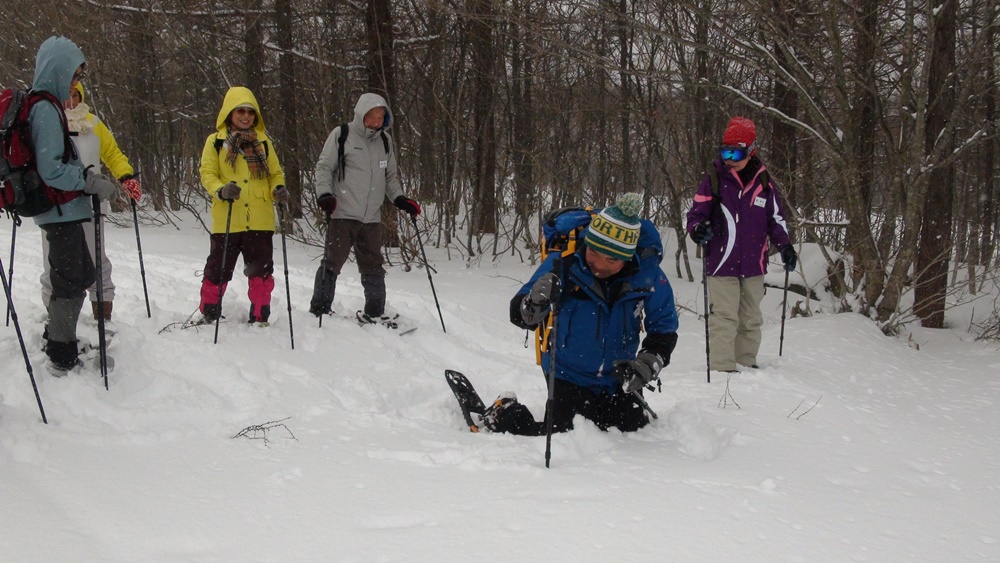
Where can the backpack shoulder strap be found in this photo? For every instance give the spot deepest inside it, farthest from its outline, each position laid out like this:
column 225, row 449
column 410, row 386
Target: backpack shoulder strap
column 765, row 181
column 385, row 143
column 713, row 176
column 344, row 130
column 35, row 96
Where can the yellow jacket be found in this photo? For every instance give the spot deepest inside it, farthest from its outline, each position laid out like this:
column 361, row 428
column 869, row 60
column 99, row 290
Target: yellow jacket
column 254, row 210
column 111, row 155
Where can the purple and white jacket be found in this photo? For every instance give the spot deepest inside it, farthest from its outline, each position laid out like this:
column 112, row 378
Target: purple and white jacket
column 743, row 221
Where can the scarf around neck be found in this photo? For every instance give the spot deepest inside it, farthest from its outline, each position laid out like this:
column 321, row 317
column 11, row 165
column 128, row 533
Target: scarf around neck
column 78, row 119
column 244, row 141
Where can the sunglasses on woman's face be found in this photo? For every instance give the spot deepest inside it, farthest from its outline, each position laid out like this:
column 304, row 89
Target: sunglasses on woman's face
column 734, row 154
column 245, row 111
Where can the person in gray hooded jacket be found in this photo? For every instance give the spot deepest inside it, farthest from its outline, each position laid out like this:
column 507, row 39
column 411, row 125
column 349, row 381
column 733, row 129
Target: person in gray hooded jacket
column 350, row 193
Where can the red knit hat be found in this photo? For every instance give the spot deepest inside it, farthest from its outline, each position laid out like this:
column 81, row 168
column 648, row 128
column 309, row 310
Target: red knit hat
column 741, row 132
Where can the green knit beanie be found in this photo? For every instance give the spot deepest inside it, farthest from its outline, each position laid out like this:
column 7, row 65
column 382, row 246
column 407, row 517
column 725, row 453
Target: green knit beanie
column 615, row 230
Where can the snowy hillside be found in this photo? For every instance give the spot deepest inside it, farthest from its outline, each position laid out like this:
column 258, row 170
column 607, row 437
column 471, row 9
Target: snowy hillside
column 852, row 446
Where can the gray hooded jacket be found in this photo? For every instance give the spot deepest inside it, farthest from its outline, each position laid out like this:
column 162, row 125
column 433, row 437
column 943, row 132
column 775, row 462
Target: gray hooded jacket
column 369, row 173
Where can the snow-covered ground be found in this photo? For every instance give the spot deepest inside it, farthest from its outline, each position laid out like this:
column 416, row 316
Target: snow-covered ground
column 851, row 446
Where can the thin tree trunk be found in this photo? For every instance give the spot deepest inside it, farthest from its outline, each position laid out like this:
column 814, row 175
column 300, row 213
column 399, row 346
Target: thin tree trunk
column 253, row 49
column 381, row 80
column 484, row 55
column 290, row 152
column 935, row 232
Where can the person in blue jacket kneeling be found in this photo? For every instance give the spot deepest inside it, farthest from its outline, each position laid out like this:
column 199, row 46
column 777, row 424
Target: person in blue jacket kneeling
column 606, row 292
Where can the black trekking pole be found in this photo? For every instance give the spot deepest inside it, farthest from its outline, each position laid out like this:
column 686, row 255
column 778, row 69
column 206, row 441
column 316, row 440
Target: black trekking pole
column 704, row 282
column 427, row 266
column 784, row 302
column 284, row 258
column 550, row 402
column 101, row 340
column 322, row 264
column 10, row 271
column 20, row 339
column 222, row 270
column 142, row 268
column 645, row 405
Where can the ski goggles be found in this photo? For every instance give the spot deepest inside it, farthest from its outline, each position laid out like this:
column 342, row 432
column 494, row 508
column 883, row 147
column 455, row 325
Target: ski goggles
column 734, row 154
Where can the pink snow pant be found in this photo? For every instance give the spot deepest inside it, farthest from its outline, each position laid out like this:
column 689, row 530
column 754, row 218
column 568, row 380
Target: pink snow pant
column 258, row 265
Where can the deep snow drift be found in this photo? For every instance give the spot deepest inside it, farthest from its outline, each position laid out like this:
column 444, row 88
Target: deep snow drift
column 850, row 446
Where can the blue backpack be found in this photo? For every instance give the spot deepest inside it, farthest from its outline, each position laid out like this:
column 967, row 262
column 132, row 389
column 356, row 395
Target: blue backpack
column 563, row 227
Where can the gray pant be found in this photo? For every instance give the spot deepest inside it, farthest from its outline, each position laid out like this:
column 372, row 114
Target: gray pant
column 108, row 285
column 70, row 272
column 735, row 321
column 365, row 239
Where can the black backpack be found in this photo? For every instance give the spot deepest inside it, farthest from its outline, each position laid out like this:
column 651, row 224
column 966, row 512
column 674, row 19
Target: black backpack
column 344, row 130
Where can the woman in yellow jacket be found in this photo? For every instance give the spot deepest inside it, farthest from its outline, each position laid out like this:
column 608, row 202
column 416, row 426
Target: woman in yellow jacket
column 240, row 170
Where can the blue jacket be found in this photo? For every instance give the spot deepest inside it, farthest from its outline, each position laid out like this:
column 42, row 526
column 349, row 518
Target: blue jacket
column 599, row 323
column 57, row 61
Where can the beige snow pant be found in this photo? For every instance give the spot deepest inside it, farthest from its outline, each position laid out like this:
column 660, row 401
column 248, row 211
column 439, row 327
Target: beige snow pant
column 735, row 321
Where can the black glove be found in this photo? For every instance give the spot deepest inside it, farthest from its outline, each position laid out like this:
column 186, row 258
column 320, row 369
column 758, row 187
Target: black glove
column 636, row 374
column 280, row 194
column 99, row 185
column 408, row 205
column 702, row 233
column 229, row 192
column 536, row 305
column 327, row 203
column 789, row 257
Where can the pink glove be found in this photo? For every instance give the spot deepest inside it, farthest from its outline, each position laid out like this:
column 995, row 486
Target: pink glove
column 133, row 188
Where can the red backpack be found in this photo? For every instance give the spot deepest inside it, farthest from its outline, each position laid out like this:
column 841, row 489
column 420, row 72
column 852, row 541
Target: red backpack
column 22, row 191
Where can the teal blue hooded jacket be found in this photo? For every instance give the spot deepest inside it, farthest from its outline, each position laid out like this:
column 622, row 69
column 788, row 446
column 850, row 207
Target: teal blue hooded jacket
column 57, row 61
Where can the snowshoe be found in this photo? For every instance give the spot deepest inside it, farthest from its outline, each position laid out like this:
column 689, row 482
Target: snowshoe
column 468, row 400
column 90, row 356
column 194, row 320
column 57, row 369
column 394, row 322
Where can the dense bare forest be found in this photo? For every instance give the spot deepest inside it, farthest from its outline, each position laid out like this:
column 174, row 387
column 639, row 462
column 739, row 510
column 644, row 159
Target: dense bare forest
column 877, row 118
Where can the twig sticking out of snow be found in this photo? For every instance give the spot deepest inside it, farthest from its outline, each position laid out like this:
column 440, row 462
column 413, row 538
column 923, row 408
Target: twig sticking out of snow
column 727, row 397
column 259, row 431
column 805, row 412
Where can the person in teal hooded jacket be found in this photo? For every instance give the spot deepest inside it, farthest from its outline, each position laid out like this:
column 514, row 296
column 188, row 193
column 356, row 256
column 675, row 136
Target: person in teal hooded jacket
column 59, row 65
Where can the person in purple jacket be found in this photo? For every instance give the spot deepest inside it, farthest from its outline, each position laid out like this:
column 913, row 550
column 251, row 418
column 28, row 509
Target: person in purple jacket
column 735, row 227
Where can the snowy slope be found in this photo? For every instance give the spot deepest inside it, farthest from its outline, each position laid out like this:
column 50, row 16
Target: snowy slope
column 896, row 460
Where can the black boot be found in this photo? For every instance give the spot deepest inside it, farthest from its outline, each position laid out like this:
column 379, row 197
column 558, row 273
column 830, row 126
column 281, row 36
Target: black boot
column 324, row 287
column 374, row 287
column 63, row 356
column 506, row 414
column 211, row 312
